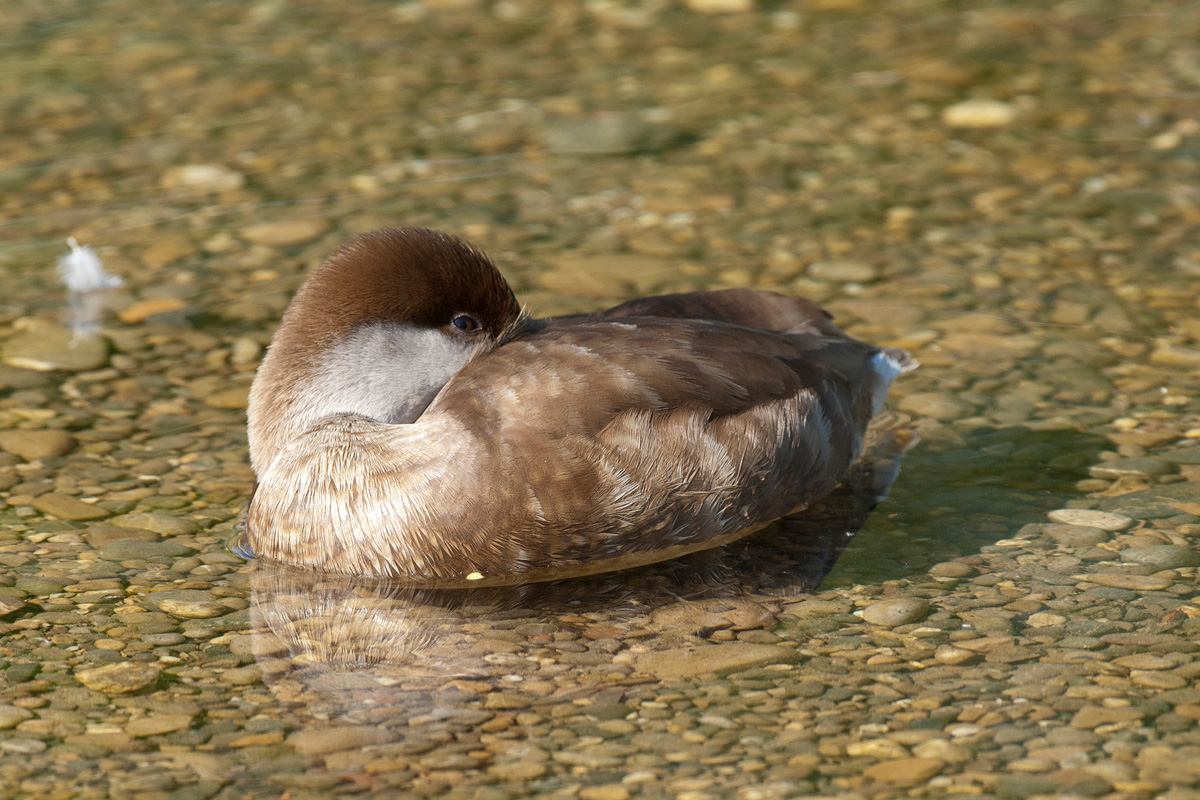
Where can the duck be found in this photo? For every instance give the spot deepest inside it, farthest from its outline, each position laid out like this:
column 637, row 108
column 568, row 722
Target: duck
column 411, row 421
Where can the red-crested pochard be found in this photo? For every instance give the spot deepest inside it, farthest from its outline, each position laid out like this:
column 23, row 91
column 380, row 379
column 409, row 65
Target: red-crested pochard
column 411, row 421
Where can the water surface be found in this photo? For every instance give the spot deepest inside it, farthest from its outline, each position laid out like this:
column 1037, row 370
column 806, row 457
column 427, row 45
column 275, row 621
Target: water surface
column 1037, row 249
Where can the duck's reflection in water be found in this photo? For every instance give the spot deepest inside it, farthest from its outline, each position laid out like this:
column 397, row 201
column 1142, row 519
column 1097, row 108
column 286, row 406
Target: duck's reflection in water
column 328, row 639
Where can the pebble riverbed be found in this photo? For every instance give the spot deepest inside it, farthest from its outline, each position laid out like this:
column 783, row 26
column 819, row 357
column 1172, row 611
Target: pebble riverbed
column 1008, row 189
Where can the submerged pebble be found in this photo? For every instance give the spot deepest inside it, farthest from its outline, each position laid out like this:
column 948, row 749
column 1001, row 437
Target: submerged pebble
column 893, row 613
column 119, row 678
column 1091, row 519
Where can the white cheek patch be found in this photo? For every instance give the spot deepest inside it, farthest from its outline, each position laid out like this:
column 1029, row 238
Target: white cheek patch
column 388, row 372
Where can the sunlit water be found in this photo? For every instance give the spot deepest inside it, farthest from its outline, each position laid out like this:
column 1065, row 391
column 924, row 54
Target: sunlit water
column 1038, row 251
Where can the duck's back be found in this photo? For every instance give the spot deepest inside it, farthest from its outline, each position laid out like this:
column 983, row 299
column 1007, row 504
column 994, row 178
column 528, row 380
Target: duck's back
column 635, row 434
column 768, row 311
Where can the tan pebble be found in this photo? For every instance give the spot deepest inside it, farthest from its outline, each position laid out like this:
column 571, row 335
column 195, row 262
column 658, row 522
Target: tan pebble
column 11, row 716
column 108, row 739
column 285, row 232
column 688, row 662
column 1090, row 716
column 843, row 271
column 952, row 569
column 893, row 613
column 1043, row 619
column 381, row 765
column 720, row 6
column 1145, row 661
column 948, row 654
column 507, row 701
column 109, row 644
column 33, row 445
column 44, row 347
column 1175, row 355
column 235, row 398
column 9, row 604
column 944, row 750
column 611, row 791
column 979, row 114
column 66, row 507
column 159, row 523
column 1090, row 519
column 986, row 644
column 518, row 771
column 142, row 309
column 245, row 351
column 122, row 678
column 318, row 741
column 608, row 276
column 243, row 676
column 1167, row 140
column 258, row 739
column 883, row 659
column 876, row 748
column 202, row 177
column 157, row 724
column 193, row 609
column 1191, row 710
column 1136, row 583
column 1158, row 680
column 472, row 687
column 166, row 250
column 905, row 770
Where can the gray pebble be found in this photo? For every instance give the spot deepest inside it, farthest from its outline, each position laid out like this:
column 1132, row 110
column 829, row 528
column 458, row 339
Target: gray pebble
column 1164, row 556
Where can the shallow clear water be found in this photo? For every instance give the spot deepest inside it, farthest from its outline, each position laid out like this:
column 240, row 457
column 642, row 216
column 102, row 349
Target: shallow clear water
column 1038, row 250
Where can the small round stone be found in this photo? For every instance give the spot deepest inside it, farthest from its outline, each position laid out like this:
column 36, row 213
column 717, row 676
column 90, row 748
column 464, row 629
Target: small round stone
column 1091, row 519
column 891, row 613
column 843, row 271
column 46, row 348
column 33, row 445
column 285, row 232
column 1162, row 556
column 905, row 770
column 1136, row 583
column 203, row 177
column 954, row 656
column 12, row 716
column 979, row 114
column 1075, row 535
column 121, row 678
column 193, row 609
column 67, row 507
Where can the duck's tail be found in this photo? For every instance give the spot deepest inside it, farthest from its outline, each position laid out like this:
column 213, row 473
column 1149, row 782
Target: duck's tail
column 886, row 365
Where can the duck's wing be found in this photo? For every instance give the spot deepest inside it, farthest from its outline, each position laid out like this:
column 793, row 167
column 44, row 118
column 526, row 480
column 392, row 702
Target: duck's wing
column 637, row 434
column 746, row 307
column 577, row 374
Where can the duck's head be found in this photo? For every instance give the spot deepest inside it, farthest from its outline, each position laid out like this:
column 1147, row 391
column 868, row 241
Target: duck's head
column 377, row 330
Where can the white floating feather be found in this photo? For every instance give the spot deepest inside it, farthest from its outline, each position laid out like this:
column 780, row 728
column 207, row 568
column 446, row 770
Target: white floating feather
column 82, row 271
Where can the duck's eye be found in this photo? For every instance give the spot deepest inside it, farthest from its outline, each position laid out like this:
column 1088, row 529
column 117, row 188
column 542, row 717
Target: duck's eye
column 465, row 322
